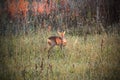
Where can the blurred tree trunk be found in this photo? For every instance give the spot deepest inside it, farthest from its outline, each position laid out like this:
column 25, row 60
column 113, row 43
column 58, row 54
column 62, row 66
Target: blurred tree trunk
column 97, row 11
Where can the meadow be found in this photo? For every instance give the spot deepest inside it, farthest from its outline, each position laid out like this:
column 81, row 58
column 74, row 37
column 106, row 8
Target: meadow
column 25, row 57
column 92, row 32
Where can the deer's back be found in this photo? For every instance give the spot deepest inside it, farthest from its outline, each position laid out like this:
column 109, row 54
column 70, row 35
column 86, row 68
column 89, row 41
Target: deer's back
column 55, row 40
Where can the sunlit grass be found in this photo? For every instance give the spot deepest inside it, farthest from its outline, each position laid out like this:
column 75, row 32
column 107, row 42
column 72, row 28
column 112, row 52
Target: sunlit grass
column 25, row 57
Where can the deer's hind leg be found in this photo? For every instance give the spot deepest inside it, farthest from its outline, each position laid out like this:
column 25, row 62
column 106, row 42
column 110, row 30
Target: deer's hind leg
column 61, row 46
column 50, row 50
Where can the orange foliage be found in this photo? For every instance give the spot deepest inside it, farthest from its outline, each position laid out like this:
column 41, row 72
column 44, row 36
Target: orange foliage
column 12, row 8
column 23, row 7
column 18, row 7
column 34, row 7
column 50, row 7
column 47, row 8
column 41, row 8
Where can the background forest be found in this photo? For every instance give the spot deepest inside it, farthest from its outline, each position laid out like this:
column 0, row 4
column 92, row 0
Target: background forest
column 92, row 32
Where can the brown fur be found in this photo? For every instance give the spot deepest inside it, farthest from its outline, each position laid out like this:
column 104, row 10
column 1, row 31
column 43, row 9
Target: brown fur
column 56, row 40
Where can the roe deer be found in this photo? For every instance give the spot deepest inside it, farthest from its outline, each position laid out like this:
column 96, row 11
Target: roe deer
column 57, row 40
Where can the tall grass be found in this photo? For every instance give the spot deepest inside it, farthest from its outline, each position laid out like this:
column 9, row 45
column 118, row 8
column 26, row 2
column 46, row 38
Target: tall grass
column 25, row 58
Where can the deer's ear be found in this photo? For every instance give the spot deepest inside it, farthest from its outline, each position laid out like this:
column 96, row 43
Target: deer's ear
column 58, row 32
column 64, row 32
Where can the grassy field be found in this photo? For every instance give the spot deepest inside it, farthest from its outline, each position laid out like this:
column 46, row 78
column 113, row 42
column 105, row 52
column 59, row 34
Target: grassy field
column 25, row 58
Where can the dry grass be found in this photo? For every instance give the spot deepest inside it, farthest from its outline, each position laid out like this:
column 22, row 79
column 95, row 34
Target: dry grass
column 24, row 58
